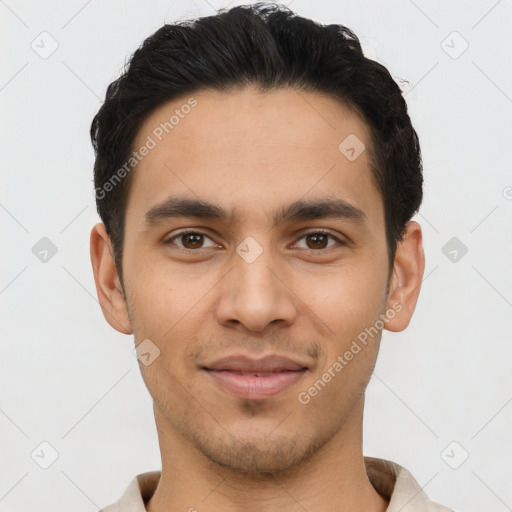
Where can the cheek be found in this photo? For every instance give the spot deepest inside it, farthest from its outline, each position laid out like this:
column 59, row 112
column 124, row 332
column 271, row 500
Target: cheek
column 164, row 295
column 169, row 309
column 337, row 387
column 346, row 300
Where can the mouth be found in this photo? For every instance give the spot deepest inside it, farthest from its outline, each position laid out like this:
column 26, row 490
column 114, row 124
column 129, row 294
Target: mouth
column 255, row 379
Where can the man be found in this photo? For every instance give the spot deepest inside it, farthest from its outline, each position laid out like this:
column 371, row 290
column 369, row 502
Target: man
column 256, row 176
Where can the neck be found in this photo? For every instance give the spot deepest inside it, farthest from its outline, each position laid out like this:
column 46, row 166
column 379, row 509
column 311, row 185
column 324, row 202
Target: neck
column 333, row 479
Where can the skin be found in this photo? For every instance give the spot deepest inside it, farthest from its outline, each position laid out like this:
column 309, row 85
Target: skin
column 252, row 153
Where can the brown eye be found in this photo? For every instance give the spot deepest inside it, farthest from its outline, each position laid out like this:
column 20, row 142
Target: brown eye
column 191, row 240
column 317, row 240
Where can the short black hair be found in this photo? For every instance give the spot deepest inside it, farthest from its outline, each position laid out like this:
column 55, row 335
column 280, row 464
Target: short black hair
column 269, row 46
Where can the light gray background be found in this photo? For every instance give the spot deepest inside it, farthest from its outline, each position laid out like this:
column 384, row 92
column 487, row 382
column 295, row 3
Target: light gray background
column 69, row 379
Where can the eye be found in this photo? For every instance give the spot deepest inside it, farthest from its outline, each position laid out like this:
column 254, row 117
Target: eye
column 316, row 240
column 190, row 240
column 195, row 241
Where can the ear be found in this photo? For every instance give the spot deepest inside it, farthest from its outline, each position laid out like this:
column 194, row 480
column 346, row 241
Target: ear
column 108, row 286
column 406, row 278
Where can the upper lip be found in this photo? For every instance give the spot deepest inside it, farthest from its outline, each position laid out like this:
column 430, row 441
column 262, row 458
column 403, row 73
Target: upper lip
column 241, row 363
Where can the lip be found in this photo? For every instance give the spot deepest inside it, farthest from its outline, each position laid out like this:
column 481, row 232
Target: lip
column 255, row 379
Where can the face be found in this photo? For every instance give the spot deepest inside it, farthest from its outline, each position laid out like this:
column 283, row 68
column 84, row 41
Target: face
column 255, row 259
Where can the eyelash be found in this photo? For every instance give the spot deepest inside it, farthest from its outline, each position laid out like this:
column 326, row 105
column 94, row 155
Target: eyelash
column 314, row 232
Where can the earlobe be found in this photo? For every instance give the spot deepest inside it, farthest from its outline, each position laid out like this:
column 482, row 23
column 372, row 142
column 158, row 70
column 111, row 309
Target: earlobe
column 108, row 285
column 406, row 279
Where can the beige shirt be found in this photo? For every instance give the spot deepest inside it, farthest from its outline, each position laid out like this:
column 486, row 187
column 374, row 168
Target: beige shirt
column 389, row 479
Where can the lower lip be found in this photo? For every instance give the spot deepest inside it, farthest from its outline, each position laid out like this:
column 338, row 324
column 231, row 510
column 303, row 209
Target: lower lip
column 251, row 387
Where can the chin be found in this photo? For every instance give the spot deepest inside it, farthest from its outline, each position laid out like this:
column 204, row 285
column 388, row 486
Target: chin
column 253, row 456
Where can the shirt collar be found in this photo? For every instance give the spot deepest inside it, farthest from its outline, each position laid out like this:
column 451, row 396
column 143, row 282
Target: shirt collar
column 388, row 478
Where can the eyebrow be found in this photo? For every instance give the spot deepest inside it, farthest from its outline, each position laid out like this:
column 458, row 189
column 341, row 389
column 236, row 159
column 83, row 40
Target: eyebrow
column 301, row 210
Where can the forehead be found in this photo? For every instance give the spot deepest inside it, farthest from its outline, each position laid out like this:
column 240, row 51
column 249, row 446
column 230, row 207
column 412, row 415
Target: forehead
column 253, row 151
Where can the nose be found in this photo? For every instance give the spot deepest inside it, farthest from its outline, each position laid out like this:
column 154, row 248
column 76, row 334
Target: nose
column 255, row 295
